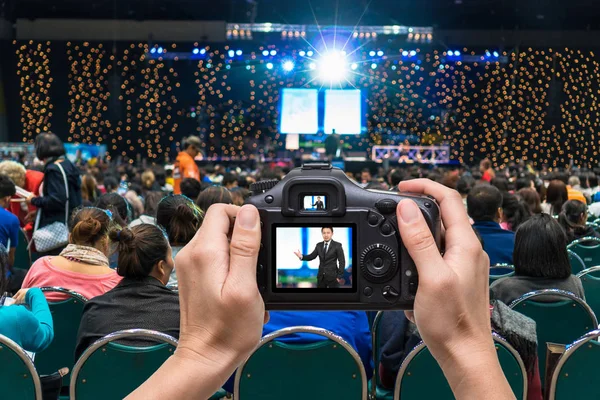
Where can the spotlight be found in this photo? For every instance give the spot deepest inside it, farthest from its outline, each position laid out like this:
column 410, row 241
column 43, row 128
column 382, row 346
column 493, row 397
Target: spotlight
column 195, row 51
column 309, row 53
column 238, row 53
column 265, row 53
column 393, row 67
column 302, row 53
column 152, row 50
column 273, row 52
column 231, row 53
column 269, row 65
column 496, row 54
column 312, row 65
column 248, row 67
column 354, row 66
column 160, row 50
column 487, row 53
column 371, row 53
column 457, row 53
column 450, row 53
column 413, row 53
column 405, row 53
column 380, row 53
column 288, row 65
column 202, row 51
column 333, row 67
column 373, row 66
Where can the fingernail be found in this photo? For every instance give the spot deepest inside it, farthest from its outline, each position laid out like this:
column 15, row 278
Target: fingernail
column 247, row 217
column 409, row 211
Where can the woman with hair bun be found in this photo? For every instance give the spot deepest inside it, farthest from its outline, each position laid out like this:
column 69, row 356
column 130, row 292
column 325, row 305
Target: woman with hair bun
column 180, row 218
column 83, row 265
column 141, row 300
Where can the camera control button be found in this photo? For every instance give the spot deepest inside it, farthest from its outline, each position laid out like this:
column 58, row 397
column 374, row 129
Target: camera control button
column 390, row 293
column 387, row 229
column 368, row 291
column 374, row 219
column 269, row 199
column 413, row 283
column 386, row 206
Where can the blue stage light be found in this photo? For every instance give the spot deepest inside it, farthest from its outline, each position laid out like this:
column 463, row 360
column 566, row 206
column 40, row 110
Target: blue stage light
column 393, row 67
column 333, row 67
column 273, row 52
column 450, row 53
column 380, row 53
column 231, row 53
column 269, row 65
column 265, row 53
column 248, row 67
column 496, row 54
column 238, row 53
column 373, row 66
column 302, row 53
column 202, row 51
column 371, row 53
column 457, row 53
column 405, row 53
column 413, row 53
column 309, row 53
column 312, row 65
column 288, row 65
column 152, row 50
column 160, row 50
column 195, row 51
column 354, row 66
column 487, row 53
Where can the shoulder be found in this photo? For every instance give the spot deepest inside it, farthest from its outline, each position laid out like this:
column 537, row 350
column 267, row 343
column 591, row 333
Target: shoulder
column 9, row 217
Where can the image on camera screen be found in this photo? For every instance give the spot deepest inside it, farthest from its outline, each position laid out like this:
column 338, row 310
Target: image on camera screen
column 317, row 202
column 314, row 258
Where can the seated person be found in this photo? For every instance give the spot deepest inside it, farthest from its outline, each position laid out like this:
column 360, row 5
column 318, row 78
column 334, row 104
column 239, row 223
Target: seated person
column 29, row 180
column 573, row 219
column 190, row 188
column 141, row 300
column 484, row 205
column 213, row 195
column 9, row 223
column 29, row 325
column 83, row 265
column 150, row 206
column 514, row 212
column 541, row 262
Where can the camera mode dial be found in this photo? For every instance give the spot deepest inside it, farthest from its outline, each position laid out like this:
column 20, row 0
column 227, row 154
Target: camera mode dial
column 378, row 263
column 263, row 186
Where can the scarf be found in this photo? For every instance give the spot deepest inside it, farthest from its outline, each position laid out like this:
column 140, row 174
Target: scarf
column 85, row 255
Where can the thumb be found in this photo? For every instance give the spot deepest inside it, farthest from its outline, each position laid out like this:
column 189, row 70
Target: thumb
column 417, row 237
column 244, row 246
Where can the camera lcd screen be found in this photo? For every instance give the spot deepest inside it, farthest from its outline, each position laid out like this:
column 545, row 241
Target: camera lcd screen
column 315, row 202
column 315, row 258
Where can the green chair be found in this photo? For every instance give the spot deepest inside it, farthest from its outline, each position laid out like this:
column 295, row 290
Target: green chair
column 66, row 315
column 575, row 374
column 329, row 369
column 577, row 264
column 588, row 249
column 22, row 254
column 590, row 279
column 562, row 320
column 420, row 376
column 109, row 370
column 500, row 271
column 18, row 378
column 375, row 389
column 595, row 226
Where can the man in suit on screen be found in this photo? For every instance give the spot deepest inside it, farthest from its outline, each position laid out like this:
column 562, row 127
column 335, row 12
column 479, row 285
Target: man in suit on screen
column 331, row 260
column 319, row 204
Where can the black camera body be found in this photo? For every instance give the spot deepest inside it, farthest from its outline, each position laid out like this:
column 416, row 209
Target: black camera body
column 329, row 244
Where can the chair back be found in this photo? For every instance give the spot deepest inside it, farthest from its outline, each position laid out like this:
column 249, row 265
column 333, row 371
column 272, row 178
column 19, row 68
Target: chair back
column 18, row 379
column 420, row 376
column 500, row 271
column 590, row 279
column 329, row 369
column 375, row 388
column 562, row 321
column 575, row 374
column 109, row 370
column 66, row 315
column 577, row 264
column 588, row 249
column 22, row 254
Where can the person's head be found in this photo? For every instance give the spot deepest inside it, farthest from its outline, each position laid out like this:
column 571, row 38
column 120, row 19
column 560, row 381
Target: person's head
column 514, row 211
column 213, row 195
column 7, row 190
column 464, row 185
column 541, row 249
column 117, row 205
column 584, row 181
column 318, row 198
column 365, row 176
column 574, row 181
column 192, row 145
column 111, row 184
column 556, row 195
column 573, row 214
column 180, row 218
column 532, row 199
column 88, row 188
column 501, row 183
column 229, row 180
column 395, row 177
column 190, row 188
column 239, row 195
column 160, row 175
column 484, row 203
column 484, row 165
column 562, row 176
column 327, row 233
column 592, row 180
column 144, row 251
column 148, row 179
column 15, row 171
column 524, row 183
column 151, row 203
column 90, row 226
column 48, row 146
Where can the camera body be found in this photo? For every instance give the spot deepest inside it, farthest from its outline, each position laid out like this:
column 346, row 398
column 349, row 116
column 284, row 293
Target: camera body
column 329, row 244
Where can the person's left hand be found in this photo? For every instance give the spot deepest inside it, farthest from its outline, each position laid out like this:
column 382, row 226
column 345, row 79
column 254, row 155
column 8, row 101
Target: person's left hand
column 28, row 200
column 20, row 296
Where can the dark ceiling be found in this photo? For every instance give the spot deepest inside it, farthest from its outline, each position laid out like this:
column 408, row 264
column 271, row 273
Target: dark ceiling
column 443, row 14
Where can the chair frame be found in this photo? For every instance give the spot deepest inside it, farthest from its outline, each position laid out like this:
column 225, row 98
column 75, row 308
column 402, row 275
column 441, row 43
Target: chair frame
column 59, row 289
column 572, row 253
column 28, row 246
column 588, row 271
column 373, row 393
column 12, row 345
column 304, row 329
column 503, row 265
column 565, row 356
column 583, row 240
column 497, row 339
column 127, row 333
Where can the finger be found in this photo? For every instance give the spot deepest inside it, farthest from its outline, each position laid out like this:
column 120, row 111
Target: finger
column 417, row 238
column 244, row 247
column 410, row 315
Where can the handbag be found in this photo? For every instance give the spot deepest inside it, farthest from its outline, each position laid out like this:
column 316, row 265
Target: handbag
column 55, row 235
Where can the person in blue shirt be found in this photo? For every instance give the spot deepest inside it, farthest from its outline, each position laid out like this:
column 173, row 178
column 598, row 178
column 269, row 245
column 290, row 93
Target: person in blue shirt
column 484, row 204
column 9, row 223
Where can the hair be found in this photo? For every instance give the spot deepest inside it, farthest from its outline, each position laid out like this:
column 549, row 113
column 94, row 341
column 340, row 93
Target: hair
column 239, row 195
column 465, row 184
column 190, row 188
column 180, row 218
column 151, row 203
column 228, row 178
column 88, row 188
column 486, row 164
column 48, row 146
column 192, row 141
column 515, row 211
column 483, row 202
column 541, row 249
column 89, row 225
column 562, row 176
column 15, row 171
column 111, row 184
column 213, row 195
column 556, row 195
column 115, row 204
column 396, row 176
column 522, row 183
column 592, row 180
column 7, row 186
column 584, row 180
column 570, row 218
column 450, row 181
column 148, row 180
column 532, row 199
column 327, row 227
column 160, row 175
column 140, row 248
column 501, row 183
column 574, row 181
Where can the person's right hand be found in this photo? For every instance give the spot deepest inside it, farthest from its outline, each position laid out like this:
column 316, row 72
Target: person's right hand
column 298, row 254
column 20, row 296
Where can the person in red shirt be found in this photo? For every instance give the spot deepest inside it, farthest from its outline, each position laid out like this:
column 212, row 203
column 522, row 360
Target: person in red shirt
column 486, row 170
column 185, row 165
column 29, row 180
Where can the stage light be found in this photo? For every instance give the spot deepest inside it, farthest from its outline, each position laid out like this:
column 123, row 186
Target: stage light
column 195, row 51
column 248, row 68
column 288, row 65
column 373, row 66
column 333, row 67
column 354, row 66
column 238, row 53
column 309, row 53
column 302, row 53
column 405, row 53
column 371, row 53
column 312, row 65
column 160, row 50
column 496, row 54
column 202, row 51
column 457, row 53
column 450, row 53
column 265, row 53
column 393, row 67
column 273, row 52
column 153, row 50
column 487, row 53
column 380, row 53
column 413, row 53
column 231, row 53
column 269, row 65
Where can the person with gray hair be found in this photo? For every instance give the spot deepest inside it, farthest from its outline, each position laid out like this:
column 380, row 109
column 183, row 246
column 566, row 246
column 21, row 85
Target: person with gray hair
column 185, row 164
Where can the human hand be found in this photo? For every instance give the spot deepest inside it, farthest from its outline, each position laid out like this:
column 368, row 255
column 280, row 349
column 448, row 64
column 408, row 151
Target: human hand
column 29, row 198
column 20, row 296
column 30, row 217
column 298, row 254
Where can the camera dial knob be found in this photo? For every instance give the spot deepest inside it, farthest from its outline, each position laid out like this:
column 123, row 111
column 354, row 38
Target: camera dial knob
column 263, row 186
column 378, row 263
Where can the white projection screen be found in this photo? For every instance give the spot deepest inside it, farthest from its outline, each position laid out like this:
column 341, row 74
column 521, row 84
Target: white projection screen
column 299, row 111
column 343, row 112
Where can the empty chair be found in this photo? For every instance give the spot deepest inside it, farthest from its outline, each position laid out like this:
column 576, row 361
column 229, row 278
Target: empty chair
column 588, row 249
column 377, row 391
column 590, row 279
column 576, row 371
column 577, row 264
column 561, row 318
column 109, row 370
column 22, row 254
column 420, row 376
column 19, row 378
column 329, row 369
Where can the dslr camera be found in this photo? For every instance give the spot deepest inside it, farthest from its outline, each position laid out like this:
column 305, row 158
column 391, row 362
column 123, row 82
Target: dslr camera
column 329, row 244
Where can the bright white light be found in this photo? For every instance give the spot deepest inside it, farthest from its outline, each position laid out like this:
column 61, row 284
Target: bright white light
column 153, row 50
column 487, row 53
column 496, row 54
column 450, row 53
column 302, row 53
column 269, row 65
column 410, row 30
column 394, row 67
column 273, row 52
column 457, row 53
column 265, row 53
column 238, row 53
column 312, row 66
column 405, row 53
column 373, row 66
column 380, row 53
column 333, row 67
column 288, row 65
column 231, row 53
column 160, row 50
column 413, row 53
column 354, row 66
column 202, row 51
column 195, row 51
column 309, row 53
column 372, row 53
